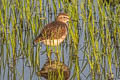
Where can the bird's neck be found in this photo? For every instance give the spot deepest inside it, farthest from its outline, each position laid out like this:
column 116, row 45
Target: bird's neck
column 61, row 21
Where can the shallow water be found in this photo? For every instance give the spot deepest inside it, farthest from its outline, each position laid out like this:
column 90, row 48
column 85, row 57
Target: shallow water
column 20, row 59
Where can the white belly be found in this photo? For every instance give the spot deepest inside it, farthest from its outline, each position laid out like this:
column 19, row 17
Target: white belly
column 54, row 42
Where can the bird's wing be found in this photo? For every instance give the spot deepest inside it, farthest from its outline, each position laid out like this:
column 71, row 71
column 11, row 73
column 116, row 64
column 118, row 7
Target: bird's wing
column 53, row 30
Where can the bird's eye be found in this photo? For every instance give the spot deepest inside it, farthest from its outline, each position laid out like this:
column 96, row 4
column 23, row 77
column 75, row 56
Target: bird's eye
column 64, row 17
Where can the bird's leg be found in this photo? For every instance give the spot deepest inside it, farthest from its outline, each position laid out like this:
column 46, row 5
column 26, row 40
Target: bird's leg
column 57, row 54
column 49, row 52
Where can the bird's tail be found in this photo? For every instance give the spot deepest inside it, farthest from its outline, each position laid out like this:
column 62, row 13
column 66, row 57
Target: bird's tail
column 36, row 41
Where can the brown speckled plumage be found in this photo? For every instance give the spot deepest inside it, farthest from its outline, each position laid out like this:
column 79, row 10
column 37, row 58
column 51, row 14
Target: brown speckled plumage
column 56, row 30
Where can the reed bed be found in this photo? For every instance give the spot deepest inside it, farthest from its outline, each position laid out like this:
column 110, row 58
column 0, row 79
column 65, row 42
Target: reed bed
column 91, row 49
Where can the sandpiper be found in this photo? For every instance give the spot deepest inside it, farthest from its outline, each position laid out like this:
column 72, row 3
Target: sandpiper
column 55, row 32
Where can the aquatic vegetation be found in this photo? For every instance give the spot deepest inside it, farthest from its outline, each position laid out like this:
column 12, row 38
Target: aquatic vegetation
column 91, row 49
